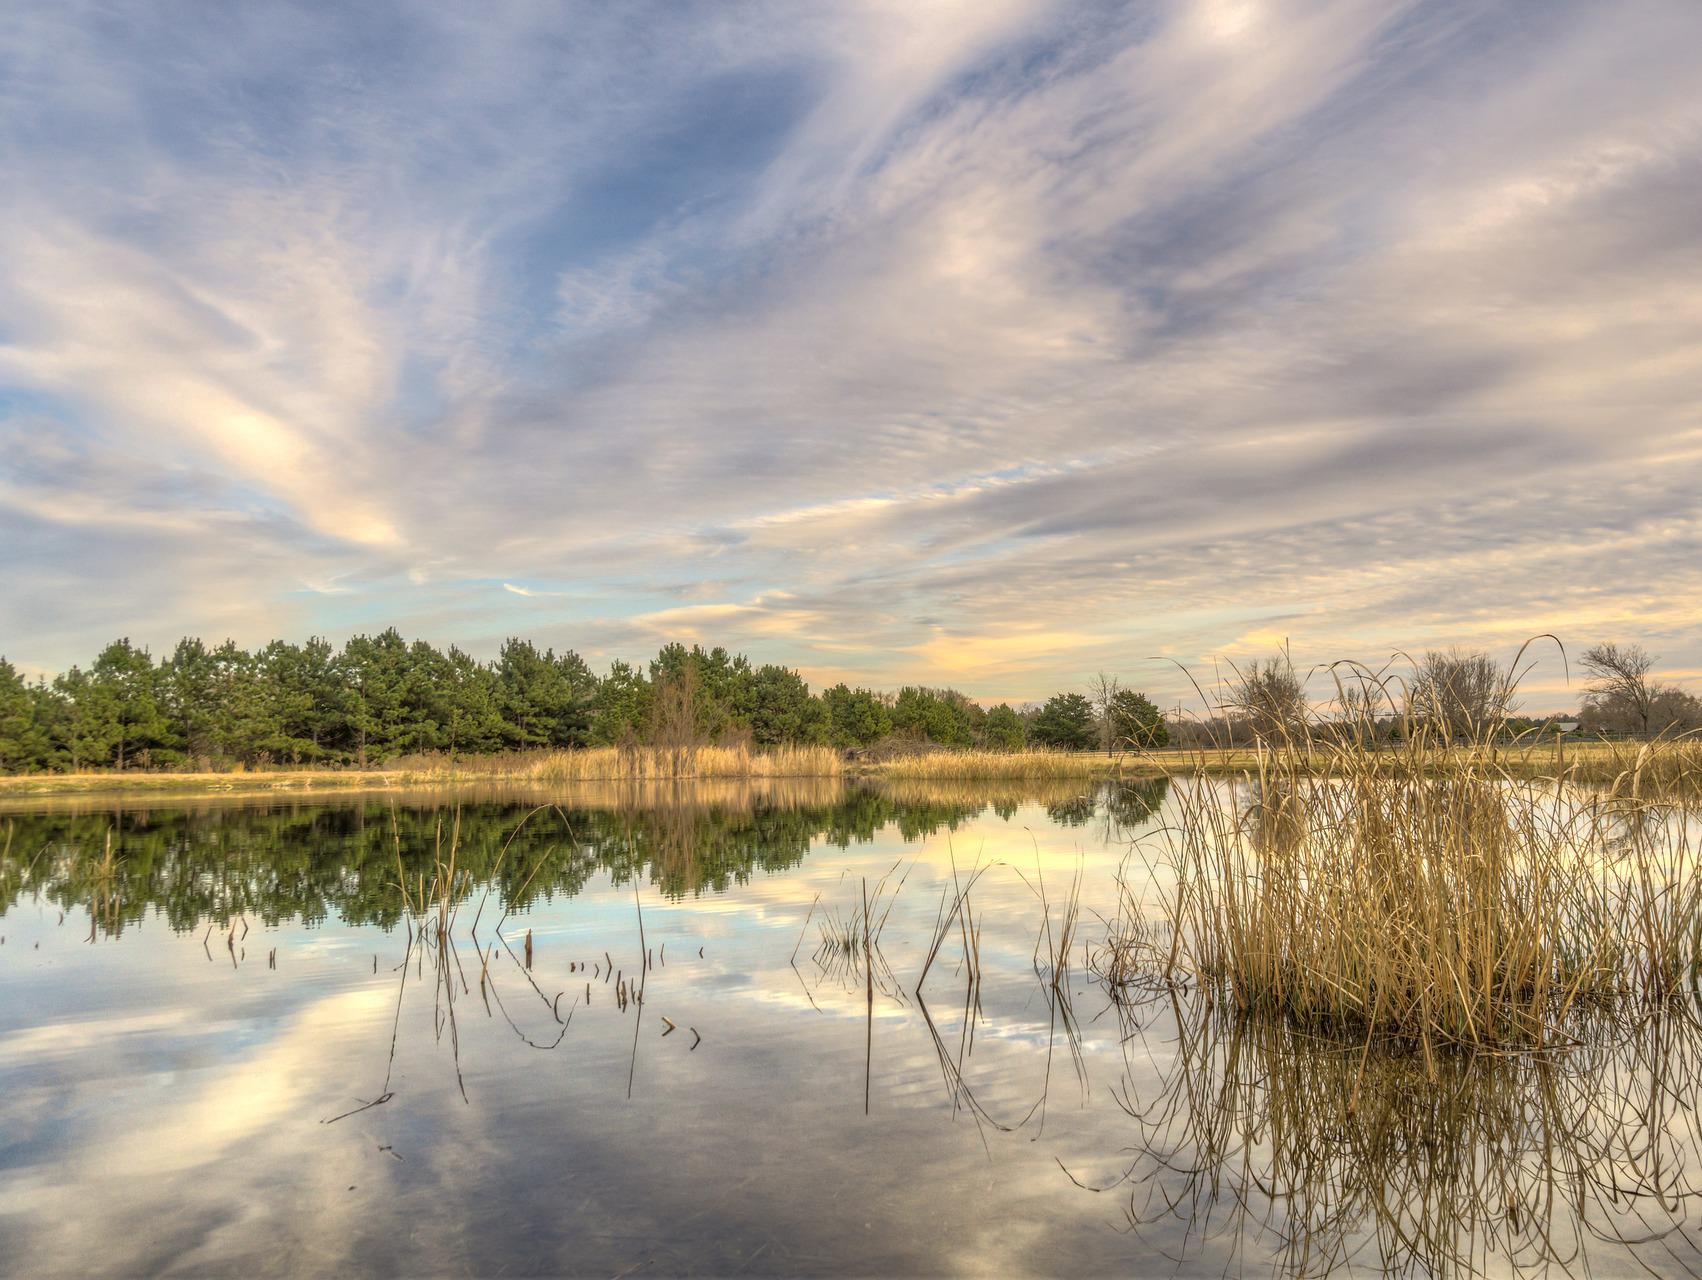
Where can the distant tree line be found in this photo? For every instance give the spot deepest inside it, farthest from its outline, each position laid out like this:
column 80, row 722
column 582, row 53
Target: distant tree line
column 380, row 697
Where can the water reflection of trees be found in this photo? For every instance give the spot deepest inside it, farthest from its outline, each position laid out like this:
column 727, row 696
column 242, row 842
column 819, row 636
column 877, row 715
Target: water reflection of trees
column 1334, row 1156
column 1120, row 807
column 315, row 861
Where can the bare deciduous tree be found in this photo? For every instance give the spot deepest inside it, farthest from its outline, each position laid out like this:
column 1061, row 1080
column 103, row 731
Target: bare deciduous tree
column 673, row 720
column 1623, row 698
column 1362, row 698
column 1463, row 694
column 1270, row 698
column 1102, row 692
column 1622, row 684
column 1672, row 710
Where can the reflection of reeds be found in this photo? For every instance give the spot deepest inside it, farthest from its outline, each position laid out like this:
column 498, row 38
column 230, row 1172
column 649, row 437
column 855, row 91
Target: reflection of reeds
column 849, row 941
column 702, row 794
column 651, row 763
column 954, row 766
column 1053, row 947
column 957, row 909
column 957, row 919
column 1053, row 944
column 1333, row 1155
column 974, row 795
column 431, row 906
column 104, row 912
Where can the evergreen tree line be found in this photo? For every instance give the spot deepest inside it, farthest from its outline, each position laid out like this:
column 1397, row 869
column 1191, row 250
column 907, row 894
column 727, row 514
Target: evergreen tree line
column 381, row 697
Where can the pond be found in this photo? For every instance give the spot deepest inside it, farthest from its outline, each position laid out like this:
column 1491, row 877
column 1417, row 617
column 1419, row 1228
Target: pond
column 656, row 1031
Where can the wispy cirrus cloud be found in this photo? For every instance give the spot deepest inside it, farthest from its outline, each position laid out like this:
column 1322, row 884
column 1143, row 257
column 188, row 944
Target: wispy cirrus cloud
column 996, row 342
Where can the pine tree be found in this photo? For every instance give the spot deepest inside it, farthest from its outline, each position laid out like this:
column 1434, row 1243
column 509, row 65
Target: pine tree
column 1136, row 721
column 856, row 717
column 1003, row 730
column 622, row 709
column 374, row 672
column 24, row 743
column 1066, row 723
column 126, row 687
column 544, row 700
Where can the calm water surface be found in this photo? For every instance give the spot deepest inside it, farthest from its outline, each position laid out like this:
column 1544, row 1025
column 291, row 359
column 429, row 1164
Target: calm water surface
column 230, row 1040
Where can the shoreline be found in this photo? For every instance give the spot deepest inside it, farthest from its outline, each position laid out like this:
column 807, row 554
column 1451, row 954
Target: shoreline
column 491, row 772
column 23, row 787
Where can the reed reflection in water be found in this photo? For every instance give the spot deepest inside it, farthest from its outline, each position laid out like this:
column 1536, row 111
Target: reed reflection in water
column 1327, row 1155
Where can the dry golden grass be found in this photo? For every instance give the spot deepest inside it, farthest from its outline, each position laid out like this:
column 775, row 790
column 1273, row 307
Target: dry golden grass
column 628, row 764
column 1644, row 769
column 1441, row 898
column 639, row 764
column 27, row 787
column 647, row 763
column 968, row 765
column 1671, row 768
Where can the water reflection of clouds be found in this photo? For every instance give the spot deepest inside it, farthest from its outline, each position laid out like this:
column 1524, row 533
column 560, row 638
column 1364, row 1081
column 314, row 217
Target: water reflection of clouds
column 229, row 1138
column 170, row 1108
column 190, row 1167
column 210, row 1112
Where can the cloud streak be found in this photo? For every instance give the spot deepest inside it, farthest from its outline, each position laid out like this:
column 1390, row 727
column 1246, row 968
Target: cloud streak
column 998, row 343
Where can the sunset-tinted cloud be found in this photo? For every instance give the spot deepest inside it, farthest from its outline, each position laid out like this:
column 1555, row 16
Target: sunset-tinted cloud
column 986, row 342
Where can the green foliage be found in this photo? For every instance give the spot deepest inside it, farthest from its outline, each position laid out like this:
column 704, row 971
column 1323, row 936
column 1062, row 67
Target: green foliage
column 382, row 697
column 374, row 671
column 622, row 708
column 855, row 717
column 542, row 700
column 1136, row 721
column 1003, row 730
column 308, row 701
column 722, row 687
column 1065, row 723
column 26, row 716
column 125, row 724
column 81, row 729
column 944, row 716
column 470, row 706
column 779, row 708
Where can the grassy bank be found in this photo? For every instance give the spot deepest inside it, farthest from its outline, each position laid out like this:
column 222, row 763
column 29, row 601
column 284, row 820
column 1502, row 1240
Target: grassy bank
column 247, row 782
column 1631, row 767
column 600, row 764
column 608, row 764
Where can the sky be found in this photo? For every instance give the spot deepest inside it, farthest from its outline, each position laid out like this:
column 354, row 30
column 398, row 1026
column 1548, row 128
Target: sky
column 992, row 343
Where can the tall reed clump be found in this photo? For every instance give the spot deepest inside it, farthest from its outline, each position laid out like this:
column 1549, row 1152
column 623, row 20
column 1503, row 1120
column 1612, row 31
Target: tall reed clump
column 644, row 763
column 1457, row 905
column 944, row 766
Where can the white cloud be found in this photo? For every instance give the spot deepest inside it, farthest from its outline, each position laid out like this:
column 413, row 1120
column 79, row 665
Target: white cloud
column 831, row 332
